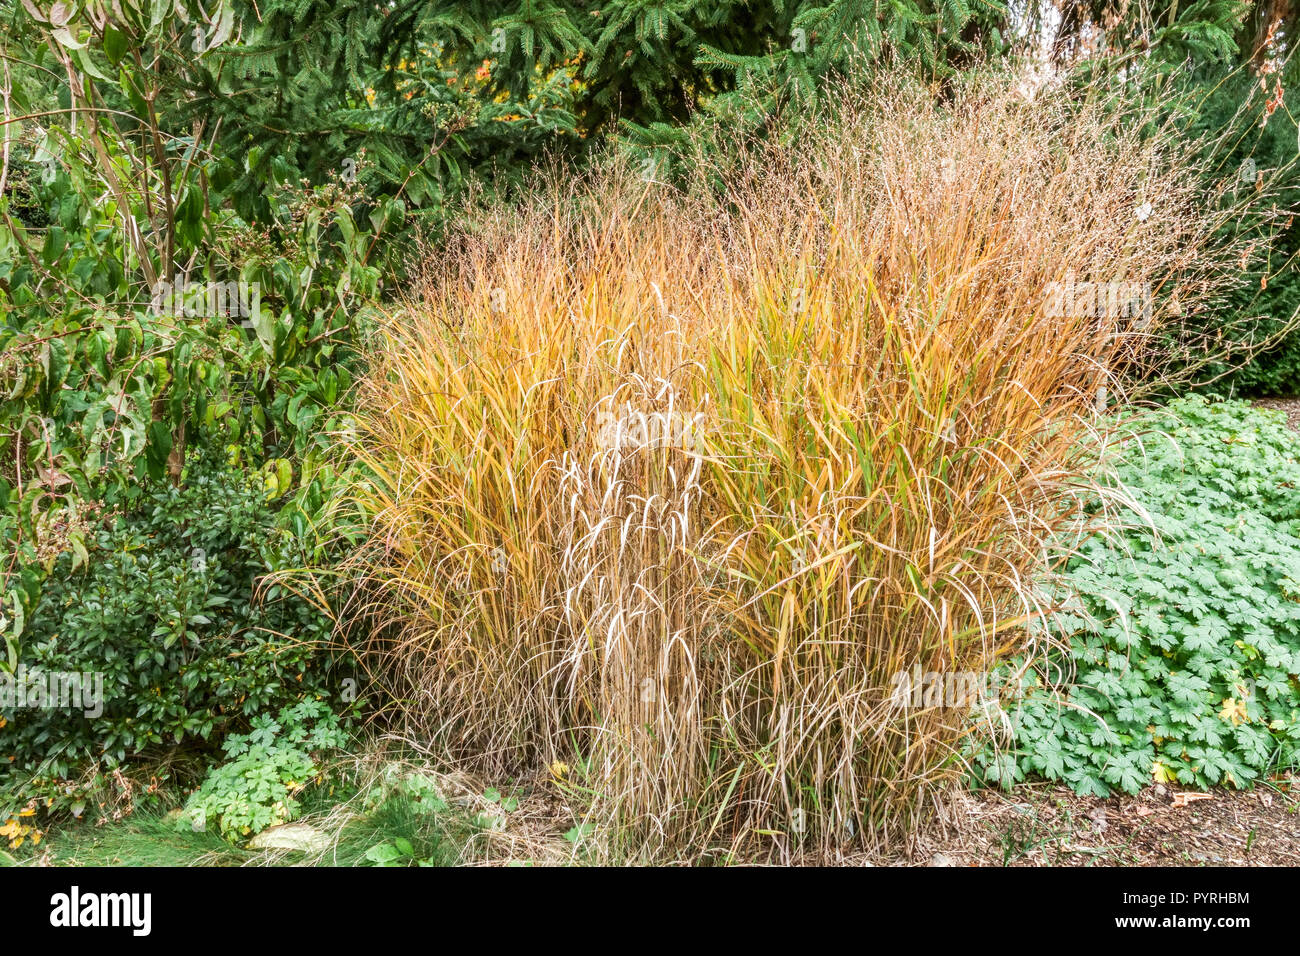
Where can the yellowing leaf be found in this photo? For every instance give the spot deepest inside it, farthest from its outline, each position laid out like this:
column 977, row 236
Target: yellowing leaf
column 1235, row 711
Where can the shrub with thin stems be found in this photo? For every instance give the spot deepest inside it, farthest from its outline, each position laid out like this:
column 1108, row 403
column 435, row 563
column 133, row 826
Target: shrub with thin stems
column 669, row 481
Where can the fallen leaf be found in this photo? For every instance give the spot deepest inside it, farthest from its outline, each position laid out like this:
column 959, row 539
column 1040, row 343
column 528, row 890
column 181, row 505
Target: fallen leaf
column 1183, row 799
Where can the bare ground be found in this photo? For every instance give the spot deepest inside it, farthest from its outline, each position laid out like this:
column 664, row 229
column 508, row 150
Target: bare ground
column 1289, row 406
column 1040, row 824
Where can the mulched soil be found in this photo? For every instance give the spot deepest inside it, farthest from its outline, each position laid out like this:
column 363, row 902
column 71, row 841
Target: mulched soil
column 1291, row 406
column 1048, row 825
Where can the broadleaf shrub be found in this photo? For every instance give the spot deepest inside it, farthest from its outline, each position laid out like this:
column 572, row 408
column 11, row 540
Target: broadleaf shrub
column 1183, row 632
column 169, row 605
column 140, row 315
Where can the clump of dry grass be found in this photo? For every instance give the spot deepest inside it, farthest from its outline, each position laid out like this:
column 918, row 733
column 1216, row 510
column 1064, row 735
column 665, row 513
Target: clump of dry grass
column 671, row 481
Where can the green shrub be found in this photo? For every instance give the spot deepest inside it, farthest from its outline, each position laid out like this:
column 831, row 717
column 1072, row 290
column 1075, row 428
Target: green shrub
column 168, row 606
column 110, row 380
column 156, row 460
column 268, row 766
column 1184, row 637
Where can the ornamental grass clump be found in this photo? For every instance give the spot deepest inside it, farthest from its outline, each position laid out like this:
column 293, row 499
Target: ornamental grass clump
column 672, row 478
